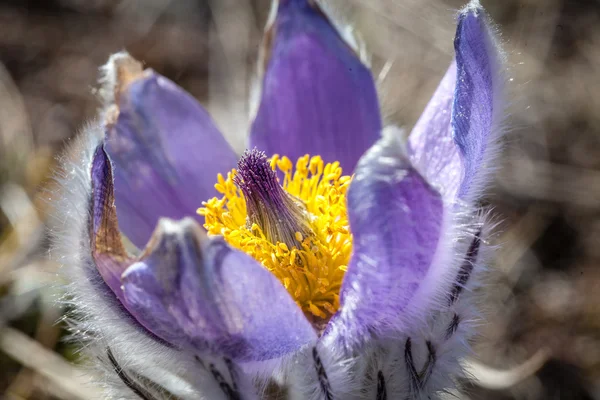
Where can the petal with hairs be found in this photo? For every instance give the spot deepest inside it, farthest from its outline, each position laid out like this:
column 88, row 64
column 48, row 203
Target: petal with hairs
column 453, row 141
column 396, row 218
column 199, row 293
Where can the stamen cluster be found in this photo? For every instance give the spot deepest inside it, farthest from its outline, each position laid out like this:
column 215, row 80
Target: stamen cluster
column 254, row 217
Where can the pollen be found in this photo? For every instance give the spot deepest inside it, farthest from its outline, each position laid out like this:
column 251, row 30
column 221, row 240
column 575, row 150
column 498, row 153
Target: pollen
column 310, row 260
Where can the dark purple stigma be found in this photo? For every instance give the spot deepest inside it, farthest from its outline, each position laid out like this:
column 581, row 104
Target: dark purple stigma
column 277, row 213
column 257, row 180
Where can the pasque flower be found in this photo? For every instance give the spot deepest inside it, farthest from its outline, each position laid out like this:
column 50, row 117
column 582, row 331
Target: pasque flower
column 333, row 260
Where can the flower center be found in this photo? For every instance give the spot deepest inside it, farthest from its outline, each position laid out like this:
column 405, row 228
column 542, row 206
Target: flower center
column 298, row 230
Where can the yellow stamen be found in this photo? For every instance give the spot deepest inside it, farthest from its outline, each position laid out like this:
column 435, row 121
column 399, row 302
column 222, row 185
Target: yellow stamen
column 311, row 272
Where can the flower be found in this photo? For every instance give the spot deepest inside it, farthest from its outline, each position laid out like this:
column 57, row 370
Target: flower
column 292, row 277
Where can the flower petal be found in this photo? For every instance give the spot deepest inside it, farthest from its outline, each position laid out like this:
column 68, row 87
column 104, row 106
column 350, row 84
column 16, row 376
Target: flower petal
column 453, row 139
column 317, row 97
column 197, row 292
column 411, row 240
column 165, row 148
column 475, row 109
column 397, row 220
column 108, row 251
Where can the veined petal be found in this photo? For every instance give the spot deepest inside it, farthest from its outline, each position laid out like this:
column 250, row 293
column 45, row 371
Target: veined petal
column 165, row 148
column 397, row 220
column 316, row 97
column 199, row 293
column 452, row 141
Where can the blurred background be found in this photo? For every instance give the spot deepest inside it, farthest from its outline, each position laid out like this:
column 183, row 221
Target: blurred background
column 541, row 339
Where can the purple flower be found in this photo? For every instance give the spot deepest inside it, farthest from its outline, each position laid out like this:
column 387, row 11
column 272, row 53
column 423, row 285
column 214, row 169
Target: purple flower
column 292, row 276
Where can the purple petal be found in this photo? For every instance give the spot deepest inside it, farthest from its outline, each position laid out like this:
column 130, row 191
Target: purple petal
column 396, row 219
column 199, row 293
column 477, row 60
column 317, row 97
column 451, row 141
column 108, row 252
column 407, row 237
column 165, row 149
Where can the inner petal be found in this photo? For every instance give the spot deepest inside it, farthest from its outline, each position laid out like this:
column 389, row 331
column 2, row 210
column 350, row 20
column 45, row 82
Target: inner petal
column 297, row 229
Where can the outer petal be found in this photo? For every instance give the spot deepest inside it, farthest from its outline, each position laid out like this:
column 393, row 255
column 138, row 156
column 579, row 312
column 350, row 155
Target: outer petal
column 192, row 291
column 396, row 219
column 198, row 292
column 107, row 249
column 475, row 108
column 411, row 244
column 165, row 148
column 317, row 97
column 452, row 141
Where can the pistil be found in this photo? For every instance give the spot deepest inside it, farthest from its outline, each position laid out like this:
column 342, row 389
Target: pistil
column 281, row 217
